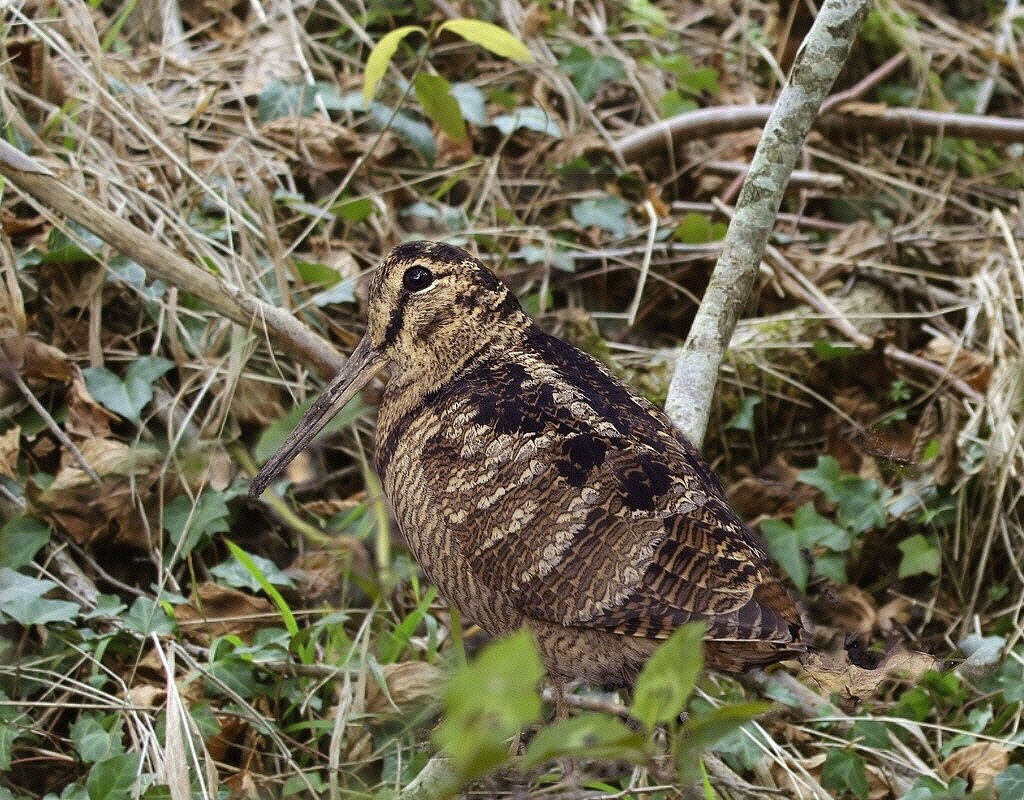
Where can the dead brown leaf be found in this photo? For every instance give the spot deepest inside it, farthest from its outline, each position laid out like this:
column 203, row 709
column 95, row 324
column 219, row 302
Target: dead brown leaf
column 855, row 610
column 217, row 610
column 86, row 418
column 10, row 447
column 46, row 361
column 408, row 682
column 320, row 574
column 91, row 512
column 837, row 674
column 895, row 611
column 979, row 763
column 973, row 367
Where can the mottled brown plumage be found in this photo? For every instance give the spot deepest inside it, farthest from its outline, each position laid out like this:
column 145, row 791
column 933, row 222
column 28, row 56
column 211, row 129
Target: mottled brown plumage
column 535, row 489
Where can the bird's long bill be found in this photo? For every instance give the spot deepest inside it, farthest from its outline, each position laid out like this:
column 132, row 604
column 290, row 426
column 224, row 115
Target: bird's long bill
column 360, row 367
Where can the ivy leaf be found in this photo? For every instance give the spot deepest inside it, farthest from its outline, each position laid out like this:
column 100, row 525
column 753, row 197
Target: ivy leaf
column 380, row 57
column 844, row 771
column 704, row 730
column 129, row 396
column 919, row 555
column 590, row 72
column 94, row 742
column 489, row 36
column 1010, row 782
column 435, row 95
column 236, row 574
column 147, row 616
column 784, row 545
column 195, row 520
column 21, row 599
column 589, row 735
column 666, row 682
column 531, row 118
column 114, row 778
column 608, row 213
column 814, row 529
column 743, row 419
column 20, row 540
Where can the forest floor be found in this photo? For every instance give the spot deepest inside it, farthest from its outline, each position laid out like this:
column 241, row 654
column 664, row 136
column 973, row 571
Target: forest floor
column 163, row 634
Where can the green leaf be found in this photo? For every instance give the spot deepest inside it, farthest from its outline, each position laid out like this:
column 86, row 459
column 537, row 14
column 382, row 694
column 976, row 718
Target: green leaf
column 784, row 545
column 188, row 522
column 435, row 95
column 130, row 396
column 21, row 599
column 20, row 539
column 844, row 771
column 8, row 734
column 919, row 555
column 380, row 57
column 694, row 228
column 94, row 742
column 824, row 476
column 489, row 36
column 860, row 500
column 607, row 212
column 702, row 731
column 472, row 102
column 667, row 679
column 234, row 573
column 316, row 272
column 419, row 135
column 140, row 376
column 147, row 616
column 743, row 419
column 530, row 118
column 1010, row 782
column 355, row 209
column 341, row 292
column 814, row 530
column 282, row 606
column 392, row 644
column 588, row 735
column 114, row 778
column 673, row 103
column 109, row 391
column 490, row 700
column 589, row 72
column 827, row 351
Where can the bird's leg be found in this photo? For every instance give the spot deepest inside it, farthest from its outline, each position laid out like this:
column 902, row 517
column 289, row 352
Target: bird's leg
column 572, row 775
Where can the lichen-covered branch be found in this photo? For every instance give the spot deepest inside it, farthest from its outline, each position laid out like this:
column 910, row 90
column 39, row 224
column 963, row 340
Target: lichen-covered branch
column 822, row 55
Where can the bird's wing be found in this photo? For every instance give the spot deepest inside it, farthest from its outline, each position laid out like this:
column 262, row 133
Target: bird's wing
column 639, row 549
column 591, row 511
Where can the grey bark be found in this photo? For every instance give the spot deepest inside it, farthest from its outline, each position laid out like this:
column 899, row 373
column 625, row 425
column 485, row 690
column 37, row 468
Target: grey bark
column 822, row 55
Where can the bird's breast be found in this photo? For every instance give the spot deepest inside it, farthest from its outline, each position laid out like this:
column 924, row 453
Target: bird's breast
column 434, row 467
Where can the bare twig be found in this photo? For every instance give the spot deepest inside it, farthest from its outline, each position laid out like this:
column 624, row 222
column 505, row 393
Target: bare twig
column 822, row 55
column 706, row 122
column 235, row 303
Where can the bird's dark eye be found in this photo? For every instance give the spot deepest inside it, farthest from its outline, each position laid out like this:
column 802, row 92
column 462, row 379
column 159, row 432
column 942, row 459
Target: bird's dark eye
column 417, row 279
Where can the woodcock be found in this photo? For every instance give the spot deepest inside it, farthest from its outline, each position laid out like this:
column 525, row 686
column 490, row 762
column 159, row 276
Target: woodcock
column 536, row 489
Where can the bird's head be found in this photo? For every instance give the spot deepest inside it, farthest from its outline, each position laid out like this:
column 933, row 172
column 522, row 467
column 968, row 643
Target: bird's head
column 430, row 306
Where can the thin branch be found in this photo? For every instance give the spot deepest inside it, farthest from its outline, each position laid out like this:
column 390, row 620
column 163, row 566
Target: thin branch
column 284, row 330
column 822, row 55
column 866, row 118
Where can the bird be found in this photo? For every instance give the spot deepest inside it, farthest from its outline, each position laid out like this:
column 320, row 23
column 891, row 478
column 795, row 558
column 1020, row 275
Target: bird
column 536, row 490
